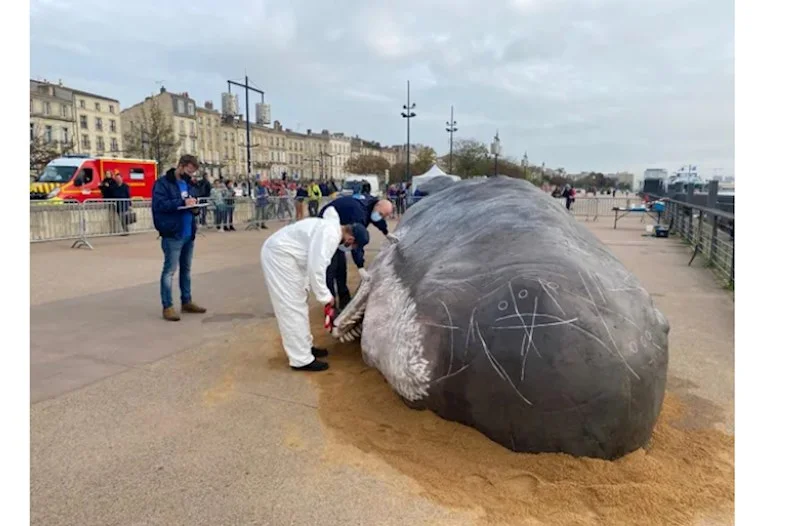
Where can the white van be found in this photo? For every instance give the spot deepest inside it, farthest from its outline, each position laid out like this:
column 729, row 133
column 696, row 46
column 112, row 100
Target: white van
column 352, row 185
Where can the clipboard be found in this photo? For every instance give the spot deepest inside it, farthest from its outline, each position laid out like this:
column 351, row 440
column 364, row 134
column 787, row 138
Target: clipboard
column 198, row 205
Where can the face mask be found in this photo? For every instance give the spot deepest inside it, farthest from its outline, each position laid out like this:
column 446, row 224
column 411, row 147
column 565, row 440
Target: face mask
column 345, row 248
column 376, row 216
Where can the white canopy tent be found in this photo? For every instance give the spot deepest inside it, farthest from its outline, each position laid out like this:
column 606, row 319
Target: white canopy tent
column 435, row 171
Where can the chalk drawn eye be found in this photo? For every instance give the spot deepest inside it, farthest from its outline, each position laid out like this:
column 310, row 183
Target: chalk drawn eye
column 552, row 286
column 633, row 347
column 503, row 305
column 522, row 294
column 648, row 336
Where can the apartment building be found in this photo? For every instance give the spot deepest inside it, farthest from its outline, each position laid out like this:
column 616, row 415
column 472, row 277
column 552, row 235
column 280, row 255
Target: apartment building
column 180, row 111
column 74, row 120
column 52, row 115
column 209, row 122
column 98, row 125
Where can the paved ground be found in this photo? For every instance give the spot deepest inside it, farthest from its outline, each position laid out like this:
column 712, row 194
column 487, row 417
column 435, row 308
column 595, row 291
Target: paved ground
column 131, row 424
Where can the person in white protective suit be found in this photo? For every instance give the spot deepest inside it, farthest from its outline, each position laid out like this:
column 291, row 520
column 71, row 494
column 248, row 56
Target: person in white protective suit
column 294, row 260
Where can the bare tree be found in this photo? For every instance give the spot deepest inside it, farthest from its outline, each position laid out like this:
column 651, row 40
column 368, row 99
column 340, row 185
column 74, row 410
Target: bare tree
column 152, row 136
column 43, row 150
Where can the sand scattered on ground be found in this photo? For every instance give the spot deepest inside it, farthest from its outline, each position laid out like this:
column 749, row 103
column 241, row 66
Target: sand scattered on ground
column 686, row 474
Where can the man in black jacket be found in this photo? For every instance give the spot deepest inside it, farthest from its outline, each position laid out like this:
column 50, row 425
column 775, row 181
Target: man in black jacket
column 122, row 192
column 203, row 189
column 177, row 228
column 364, row 211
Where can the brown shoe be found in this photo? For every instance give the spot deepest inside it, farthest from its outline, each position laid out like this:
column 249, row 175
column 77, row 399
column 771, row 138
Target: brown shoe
column 192, row 308
column 170, row 314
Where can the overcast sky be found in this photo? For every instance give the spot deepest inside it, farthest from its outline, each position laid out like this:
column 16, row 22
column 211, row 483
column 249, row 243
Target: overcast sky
column 605, row 85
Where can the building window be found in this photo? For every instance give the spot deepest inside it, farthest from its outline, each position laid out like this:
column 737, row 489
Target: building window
column 47, row 108
column 64, row 110
column 83, row 104
column 97, row 106
column 112, row 125
column 182, row 128
column 110, row 108
column 98, row 124
column 190, row 108
column 65, row 135
column 114, row 145
column 194, row 145
column 32, row 131
column 85, row 141
column 48, row 134
column 101, row 144
column 191, row 128
column 181, row 106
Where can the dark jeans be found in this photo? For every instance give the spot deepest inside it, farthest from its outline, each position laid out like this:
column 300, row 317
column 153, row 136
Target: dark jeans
column 336, row 278
column 177, row 253
column 313, row 208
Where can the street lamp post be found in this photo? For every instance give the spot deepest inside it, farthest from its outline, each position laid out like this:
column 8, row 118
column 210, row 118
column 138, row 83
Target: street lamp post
column 408, row 114
column 451, row 128
column 496, row 150
column 247, row 89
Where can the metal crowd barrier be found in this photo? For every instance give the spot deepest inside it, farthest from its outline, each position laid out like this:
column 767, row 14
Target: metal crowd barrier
column 120, row 217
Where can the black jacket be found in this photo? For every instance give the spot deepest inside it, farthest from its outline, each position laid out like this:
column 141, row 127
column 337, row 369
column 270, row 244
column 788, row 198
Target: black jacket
column 203, row 188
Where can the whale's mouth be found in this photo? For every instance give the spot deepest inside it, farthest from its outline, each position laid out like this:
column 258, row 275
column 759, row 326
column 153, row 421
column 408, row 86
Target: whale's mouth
column 347, row 325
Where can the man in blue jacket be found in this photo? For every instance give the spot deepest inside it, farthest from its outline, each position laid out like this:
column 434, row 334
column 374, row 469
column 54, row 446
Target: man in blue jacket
column 365, row 211
column 177, row 228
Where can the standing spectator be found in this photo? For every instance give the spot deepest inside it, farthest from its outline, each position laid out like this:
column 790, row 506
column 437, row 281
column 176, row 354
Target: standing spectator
column 283, row 201
column 177, row 229
column 314, row 197
column 107, row 185
column 122, row 193
column 323, row 187
column 402, row 194
column 301, row 195
column 261, row 204
column 203, row 193
column 230, row 202
column 238, row 191
column 217, row 198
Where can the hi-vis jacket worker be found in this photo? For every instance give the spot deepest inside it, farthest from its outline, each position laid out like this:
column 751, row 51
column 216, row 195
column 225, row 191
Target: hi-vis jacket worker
column 294, row 260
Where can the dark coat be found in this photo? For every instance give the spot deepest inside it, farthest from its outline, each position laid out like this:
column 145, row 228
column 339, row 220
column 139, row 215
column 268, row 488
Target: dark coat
column 167, row 198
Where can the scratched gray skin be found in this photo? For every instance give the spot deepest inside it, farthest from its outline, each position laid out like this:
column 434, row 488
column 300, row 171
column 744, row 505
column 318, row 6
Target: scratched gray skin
column 491, row 306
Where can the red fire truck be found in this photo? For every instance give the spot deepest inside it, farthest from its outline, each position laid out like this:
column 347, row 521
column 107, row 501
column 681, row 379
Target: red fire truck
column 78, row 178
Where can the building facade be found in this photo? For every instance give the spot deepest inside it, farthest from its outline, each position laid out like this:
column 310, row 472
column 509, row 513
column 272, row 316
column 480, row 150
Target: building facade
column 75, row 121
column 99, row 125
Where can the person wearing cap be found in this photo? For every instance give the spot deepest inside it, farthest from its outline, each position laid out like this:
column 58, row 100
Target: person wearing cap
column 351, row 210
column 294, row 261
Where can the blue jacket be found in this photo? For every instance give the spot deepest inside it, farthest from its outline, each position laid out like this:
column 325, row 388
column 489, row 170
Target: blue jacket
column 166, row 200
column 352, row 210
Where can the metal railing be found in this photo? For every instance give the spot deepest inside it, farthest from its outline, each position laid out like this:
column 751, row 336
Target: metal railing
column 119, row 217
column 709, row 231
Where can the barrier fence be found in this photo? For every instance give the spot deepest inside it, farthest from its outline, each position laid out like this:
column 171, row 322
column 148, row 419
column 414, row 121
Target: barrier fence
column 710, row 231
column 118, row 217
column 110, row 217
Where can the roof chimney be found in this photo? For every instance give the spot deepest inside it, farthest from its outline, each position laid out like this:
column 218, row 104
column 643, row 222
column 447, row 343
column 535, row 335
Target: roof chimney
column 209, row 105
column 163, row 90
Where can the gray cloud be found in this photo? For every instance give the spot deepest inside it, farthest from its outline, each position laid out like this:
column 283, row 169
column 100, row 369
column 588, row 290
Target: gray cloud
column 584, row 84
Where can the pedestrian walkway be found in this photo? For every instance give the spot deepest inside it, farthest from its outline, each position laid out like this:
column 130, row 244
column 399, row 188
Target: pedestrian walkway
column 139, row 421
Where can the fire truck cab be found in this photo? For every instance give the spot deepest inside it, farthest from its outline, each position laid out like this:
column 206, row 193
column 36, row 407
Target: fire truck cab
column 78, row 178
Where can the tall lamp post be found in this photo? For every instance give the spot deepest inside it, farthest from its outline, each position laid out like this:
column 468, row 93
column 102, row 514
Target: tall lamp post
column 408, row 114
column 247, row 89
column 496, row 150
column 451, row 128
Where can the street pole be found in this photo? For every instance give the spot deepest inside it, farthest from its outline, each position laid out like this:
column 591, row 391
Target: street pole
column 451, row 127
column 247, row 89
column 496, row 150
column 408, row 114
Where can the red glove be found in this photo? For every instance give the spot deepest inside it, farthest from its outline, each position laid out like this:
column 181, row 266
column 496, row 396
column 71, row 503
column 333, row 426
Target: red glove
column 330, row 314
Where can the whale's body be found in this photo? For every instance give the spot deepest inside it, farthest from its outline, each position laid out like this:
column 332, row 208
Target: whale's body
column 491, row 306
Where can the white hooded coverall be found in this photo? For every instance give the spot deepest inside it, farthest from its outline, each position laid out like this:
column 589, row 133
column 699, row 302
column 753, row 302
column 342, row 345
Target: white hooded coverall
column 294, row 258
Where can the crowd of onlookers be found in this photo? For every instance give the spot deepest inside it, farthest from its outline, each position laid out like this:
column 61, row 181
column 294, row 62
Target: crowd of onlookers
column 293, row 197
